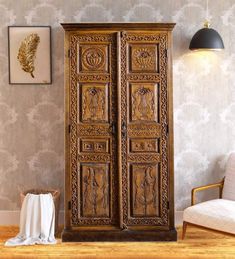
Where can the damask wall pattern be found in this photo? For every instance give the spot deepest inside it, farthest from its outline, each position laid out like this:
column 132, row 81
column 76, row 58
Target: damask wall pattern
column 31, row 116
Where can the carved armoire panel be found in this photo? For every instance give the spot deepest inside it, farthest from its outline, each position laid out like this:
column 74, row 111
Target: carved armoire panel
column 144, row 102
column 95, row 190
column 144, row 190
column 93, row 58
column 143, row 57
column 94, row 104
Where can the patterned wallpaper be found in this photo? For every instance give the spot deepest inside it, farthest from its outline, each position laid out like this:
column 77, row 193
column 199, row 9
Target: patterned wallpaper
column 31, row 116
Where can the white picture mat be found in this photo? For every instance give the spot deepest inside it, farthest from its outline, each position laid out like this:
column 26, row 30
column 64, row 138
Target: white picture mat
column 42, row 63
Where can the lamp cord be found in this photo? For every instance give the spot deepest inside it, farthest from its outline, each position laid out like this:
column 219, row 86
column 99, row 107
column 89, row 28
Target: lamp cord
column 207, row 24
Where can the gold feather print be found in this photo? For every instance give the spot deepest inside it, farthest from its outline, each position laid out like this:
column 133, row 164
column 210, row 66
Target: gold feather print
column 27, row 52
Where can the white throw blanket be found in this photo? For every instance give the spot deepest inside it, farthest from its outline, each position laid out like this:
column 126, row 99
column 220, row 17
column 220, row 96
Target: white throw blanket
column 37, row 221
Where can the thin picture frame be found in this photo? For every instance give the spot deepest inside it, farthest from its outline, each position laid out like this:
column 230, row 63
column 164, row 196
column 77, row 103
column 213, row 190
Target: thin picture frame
column 19, row 37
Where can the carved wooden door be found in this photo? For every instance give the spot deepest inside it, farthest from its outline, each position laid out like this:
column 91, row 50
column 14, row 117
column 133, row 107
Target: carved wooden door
column 93, row 115
column 144, row 121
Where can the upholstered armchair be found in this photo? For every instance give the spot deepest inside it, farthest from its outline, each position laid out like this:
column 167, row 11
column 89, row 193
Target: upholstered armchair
column 217, row 214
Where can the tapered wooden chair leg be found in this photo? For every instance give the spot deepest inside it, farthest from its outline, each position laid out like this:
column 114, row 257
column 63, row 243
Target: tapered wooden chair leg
column 184, row 229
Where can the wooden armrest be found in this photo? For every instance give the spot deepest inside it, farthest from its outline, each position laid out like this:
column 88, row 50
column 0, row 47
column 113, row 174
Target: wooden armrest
column 206, row 187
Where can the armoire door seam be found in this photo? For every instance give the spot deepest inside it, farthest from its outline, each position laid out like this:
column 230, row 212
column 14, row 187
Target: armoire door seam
column 119, row 129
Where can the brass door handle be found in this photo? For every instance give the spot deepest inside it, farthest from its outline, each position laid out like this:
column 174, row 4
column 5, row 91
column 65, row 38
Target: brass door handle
column 112, row 128
column 124, row 129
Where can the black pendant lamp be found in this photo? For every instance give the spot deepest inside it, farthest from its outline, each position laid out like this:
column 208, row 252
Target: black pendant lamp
column 206, row 38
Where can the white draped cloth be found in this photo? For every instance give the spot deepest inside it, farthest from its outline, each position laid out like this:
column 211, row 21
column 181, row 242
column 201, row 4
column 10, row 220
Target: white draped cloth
column 37, row 221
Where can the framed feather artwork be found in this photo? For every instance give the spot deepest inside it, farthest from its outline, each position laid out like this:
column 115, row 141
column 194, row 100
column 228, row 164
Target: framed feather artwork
column 29, row 51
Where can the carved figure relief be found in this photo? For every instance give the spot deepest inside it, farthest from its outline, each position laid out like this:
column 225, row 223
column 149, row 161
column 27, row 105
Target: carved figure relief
column 143, row 102
column 95, row 187
column 143, row 57
column 94, row 103
column 143, row 145
column 100, row 145
column 145, row 190
column 93, row 58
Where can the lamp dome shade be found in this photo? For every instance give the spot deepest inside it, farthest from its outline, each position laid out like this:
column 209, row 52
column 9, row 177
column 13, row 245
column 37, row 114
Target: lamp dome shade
column 207, row 39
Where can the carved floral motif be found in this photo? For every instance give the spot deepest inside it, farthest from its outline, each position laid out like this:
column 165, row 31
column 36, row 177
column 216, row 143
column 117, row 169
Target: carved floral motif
column 143, row 58
column 93, row 58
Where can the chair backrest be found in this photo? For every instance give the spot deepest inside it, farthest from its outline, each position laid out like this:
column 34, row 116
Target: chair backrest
column 229, row 182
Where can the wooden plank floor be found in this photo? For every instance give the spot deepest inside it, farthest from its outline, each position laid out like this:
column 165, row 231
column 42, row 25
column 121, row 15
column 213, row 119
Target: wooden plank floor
column 198, row 244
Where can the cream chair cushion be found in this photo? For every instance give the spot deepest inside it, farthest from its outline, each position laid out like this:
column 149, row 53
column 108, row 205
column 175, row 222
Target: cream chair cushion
column 229, row 183
column 218, row 214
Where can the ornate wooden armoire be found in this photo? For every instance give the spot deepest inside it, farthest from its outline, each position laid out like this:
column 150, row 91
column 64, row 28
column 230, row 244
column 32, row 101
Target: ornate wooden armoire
column 118, row 132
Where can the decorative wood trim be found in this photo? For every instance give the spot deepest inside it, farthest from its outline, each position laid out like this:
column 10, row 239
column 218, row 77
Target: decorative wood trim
column 119, row 26
column 144, row 77
column 91, row 78
column 119, row 130
column 117, row 235
column 170, row 129
column 144, row 158
column 123, row 116
column 73, row 136
column 144, row 130
column 67, row 175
